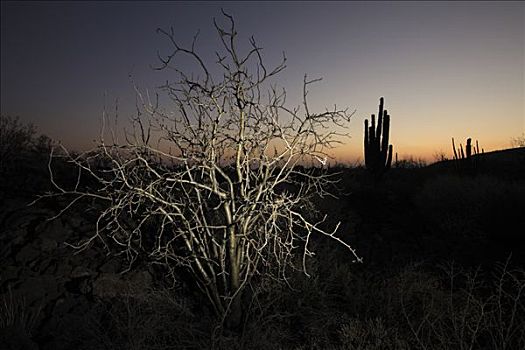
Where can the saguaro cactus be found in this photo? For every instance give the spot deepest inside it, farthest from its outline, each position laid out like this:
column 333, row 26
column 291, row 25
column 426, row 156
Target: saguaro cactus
column 378, row 153
column 465, row 161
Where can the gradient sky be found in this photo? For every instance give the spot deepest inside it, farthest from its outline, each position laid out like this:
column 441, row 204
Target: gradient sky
column 446, row 69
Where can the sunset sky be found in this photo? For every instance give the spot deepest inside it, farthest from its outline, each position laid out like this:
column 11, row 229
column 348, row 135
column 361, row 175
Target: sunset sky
column 446, row 69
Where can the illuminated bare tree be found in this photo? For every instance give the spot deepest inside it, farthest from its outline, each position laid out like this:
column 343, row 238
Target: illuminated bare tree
column 222, row 191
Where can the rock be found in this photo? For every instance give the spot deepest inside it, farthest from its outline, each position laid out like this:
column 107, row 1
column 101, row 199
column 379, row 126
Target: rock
column 10, row 272
column 86, row 257
column 27, row 254
column 109, row 285
column 43, row 265
column 57, row 283
column 48, row 245
column 63, row 305
column 53, row 230
column 82, row 258
column 39, row 290
column 111, row 266
column 18, row 236
column 81, row 272
column 140, row 281
column 77, row 223
column 64, row 268
column 80, row 281
column 67, row 322
column 85, row 286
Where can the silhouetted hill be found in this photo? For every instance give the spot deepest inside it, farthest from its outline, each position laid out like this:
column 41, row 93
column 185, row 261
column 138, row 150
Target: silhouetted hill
column 508, row 162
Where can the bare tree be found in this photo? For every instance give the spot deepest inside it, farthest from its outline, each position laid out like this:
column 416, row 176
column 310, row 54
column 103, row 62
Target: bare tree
column 222, row 191
column 518, row 141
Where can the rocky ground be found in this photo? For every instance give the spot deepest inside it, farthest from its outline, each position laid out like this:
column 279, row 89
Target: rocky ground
column 47, row 288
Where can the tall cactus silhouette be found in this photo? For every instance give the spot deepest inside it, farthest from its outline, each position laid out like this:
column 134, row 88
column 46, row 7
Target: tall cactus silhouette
column 459, row 155
column 465, row 161
column 378, row 153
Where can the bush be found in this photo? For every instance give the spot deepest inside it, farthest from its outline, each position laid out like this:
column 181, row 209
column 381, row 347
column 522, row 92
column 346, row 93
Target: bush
column 415, row 307
column 23, row 157
column 15, row 140
column 230, row 201
column 17, row 324
column 518, row 141
column 154, row 319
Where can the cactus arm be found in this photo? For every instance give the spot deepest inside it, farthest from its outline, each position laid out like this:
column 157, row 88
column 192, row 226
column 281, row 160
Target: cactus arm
column 373, row 127
column 367, row 143
column 454, row 148
column 379, row 124
column 386, row 133
column 372, row 137
column 389, row 159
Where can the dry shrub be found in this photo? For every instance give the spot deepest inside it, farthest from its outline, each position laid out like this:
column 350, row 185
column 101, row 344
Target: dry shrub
column 154, row 320
column 17, row 322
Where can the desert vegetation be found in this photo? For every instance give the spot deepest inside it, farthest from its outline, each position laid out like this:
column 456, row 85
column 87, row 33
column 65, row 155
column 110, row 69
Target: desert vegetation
column 22, row 153
column 378, row 152
column 518, row 141
column 228, row 202
column 230, row 239
column 467, row 161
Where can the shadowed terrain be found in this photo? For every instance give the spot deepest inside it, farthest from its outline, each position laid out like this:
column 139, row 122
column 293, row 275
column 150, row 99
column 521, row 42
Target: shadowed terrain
column 437, row 246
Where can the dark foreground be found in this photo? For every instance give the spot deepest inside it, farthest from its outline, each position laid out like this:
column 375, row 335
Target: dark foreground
column 444, row 259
